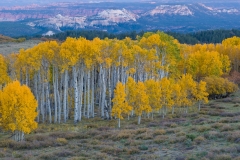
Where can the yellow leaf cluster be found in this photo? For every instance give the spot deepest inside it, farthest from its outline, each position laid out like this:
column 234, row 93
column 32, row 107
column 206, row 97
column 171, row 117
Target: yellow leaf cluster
column 217, row 86
column 4, row 78
column 17, row 108
column 120, row 105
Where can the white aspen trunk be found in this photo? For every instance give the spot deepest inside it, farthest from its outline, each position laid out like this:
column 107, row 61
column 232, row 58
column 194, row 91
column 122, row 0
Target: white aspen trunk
column 42, row 100
column 145, row 76
column 110, row 92
column 100, row 91
column 93, row 90
column 48, row 102
column 18, row 136
column 114, row 78
column 80, row 84
column 59, row 97
column 119, row 122
column 36, row 93
column 162, row 71
column 172, row 109
column 85, row 95
column 55, row 96
column 65, row 95
column 139, row 119
column 26, row 77
column 21, row 76
column 76, row 107
column 117, row 76
column 122, row 76
column 100, row 95
column 88, row 94
column 106, row 109
column 103, row 92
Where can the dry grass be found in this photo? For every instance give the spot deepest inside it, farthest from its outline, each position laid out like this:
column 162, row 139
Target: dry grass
column 199, row 139
column 212, row 135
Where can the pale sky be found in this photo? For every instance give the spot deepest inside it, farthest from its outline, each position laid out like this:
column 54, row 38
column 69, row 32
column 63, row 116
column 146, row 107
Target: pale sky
column 27, row 2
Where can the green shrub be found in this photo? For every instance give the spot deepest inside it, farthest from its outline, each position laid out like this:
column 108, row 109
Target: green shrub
column 143, row 147
column 191, row 136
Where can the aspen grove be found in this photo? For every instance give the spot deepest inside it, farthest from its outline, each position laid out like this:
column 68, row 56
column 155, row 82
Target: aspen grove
column 112, row 78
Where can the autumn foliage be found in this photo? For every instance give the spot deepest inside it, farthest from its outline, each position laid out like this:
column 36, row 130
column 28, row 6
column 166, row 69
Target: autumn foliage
column 117, row 78
column 17, row 109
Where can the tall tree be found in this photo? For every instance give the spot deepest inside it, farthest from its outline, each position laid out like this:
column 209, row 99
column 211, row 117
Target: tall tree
column 120, row 105
column 18, row 110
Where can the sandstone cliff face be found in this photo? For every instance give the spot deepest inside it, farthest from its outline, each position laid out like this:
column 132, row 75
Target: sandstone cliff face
column 104, row 18
column 118, row 17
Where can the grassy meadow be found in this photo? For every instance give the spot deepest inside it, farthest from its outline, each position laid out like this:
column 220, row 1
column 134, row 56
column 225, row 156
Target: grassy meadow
column 212, row 133
column 8, row 46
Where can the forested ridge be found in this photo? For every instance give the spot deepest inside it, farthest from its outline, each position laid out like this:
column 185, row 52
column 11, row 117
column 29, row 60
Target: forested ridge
column 209, row 36
column 112, row 78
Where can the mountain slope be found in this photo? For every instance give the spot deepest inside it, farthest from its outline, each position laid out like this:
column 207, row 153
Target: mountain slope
column 120, row 17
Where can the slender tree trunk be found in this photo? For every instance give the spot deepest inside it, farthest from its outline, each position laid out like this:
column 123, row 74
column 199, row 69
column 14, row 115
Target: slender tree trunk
column 119, row 122
column 76, row 98
column 80, row 84
column 85, row 95
column 65, row 95
column 88, row 93
column 42, row 99
column 55, row 96
column 109, row 91
column 103, row 92
column 36, row 93
column 18, row 136
column 139, row 119
column 92, row 91
column 172, row 109
column 26, row 77
column 59, row 97
column 48, row 102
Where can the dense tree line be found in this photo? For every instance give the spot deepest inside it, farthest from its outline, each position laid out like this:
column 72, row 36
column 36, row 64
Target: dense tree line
column 115, row 78
column 91, row 34
column 210, row 36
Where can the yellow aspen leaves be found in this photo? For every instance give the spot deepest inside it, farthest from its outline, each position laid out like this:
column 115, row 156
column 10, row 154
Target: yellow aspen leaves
column 131, row 91
column 17, row 108
column 120, row 105
column 203, row 64
column 188, row 86
column 166, row 90
column 154, row 92
column 4, row 78
column 142, row 100
column 218, row 87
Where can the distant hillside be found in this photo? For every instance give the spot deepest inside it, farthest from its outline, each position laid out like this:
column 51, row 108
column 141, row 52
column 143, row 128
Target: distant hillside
column 4, row 39
column 119, row 17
